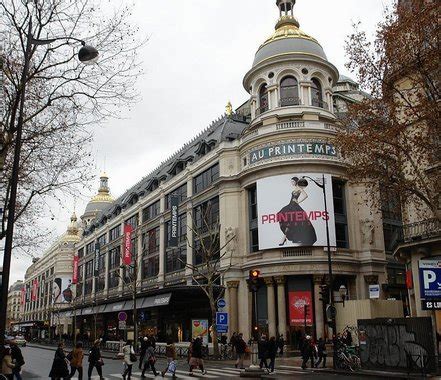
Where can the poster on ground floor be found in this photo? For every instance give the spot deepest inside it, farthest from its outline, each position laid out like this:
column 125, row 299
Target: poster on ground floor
column 291, row 211
column 199, row 327
column 300, row 308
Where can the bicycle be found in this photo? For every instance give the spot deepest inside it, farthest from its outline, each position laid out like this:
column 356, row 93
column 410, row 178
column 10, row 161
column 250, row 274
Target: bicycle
column 347, row 359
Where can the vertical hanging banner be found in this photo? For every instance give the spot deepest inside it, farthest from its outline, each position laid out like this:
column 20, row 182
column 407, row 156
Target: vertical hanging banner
column 75, row 270
column 34, row 290
column 23, row 295
column 97, row 258
column 127, row 244
column 174, row 232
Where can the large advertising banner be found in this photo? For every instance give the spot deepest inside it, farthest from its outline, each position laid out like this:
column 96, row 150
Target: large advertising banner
column 291, row 211
column 127, row 244
column 62, row 290
column 23, row 295
column 297, row 302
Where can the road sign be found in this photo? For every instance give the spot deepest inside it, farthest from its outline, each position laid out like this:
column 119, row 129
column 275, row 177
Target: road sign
column 122, row 316
column 222, row 329
column 430, row 278
column 222, row 319
column 221, row 303
column 122, row 325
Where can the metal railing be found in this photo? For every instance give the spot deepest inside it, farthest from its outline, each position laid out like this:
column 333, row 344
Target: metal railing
column 425, row 229
column 292, row 101
column 320, row 104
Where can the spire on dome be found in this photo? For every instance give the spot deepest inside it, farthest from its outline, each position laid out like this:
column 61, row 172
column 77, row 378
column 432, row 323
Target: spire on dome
column 286, row 11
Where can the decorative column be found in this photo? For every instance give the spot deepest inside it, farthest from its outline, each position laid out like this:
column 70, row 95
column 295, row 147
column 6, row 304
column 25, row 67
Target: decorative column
column 281, row 305
column 318, row 307
column 233, row 305
column 271, row 306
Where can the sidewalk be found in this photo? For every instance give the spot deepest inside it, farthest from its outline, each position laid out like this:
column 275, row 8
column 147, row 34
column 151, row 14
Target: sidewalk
column 285, row 361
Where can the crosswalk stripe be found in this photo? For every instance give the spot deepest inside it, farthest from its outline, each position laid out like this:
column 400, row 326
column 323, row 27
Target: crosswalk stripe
column 198, row 374
column 290, row 366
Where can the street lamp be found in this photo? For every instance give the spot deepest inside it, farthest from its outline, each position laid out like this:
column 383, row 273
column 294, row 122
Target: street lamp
column 86, row 55
column 343, row 294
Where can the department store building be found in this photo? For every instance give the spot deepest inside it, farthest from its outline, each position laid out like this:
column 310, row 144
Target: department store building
column 257, row 172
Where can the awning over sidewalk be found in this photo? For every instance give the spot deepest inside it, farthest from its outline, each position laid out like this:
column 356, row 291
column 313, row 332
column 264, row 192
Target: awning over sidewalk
column 141, row 303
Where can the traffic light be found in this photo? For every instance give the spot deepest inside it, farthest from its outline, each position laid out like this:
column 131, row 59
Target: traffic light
column 324, row 294
column 253, row 280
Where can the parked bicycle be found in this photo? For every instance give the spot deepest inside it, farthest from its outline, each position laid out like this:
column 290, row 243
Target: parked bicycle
column 347, row 358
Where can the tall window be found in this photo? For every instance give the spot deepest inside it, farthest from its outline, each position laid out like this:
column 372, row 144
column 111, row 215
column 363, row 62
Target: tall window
column 392, row 218
column 206, row 179
column 133, row 221
column 206, row 223
column 341, row 223
column 252, row 214
column 150, row 212
column 150, row 267
column 80, row 255
column 150, row 253
column 263, row 99
column 115, row 233
column 90, row 248
column 316, row 93
column 114, row 258
column 102, row 240
column 181, row 193
column 289, row 92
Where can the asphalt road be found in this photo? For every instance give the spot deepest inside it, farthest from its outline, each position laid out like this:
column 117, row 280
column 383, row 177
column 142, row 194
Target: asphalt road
column 39, row 362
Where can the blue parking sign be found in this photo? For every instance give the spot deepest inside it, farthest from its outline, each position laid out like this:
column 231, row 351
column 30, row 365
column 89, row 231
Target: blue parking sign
column 430, row 278
column 221, row 318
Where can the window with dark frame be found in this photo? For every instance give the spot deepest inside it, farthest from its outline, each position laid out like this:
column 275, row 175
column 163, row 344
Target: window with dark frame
column 205, row 179
column 115, row 233
column 114, row 257
column 252, row 214
column 102, row 240
column 132, row 221
column 341, row 223
column 150, row 212
column 263, row 98
column 176, row 257
column 289, row 92
column 181, row 193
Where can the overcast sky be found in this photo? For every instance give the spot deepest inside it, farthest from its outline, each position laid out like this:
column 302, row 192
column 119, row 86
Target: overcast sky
column 194, row 62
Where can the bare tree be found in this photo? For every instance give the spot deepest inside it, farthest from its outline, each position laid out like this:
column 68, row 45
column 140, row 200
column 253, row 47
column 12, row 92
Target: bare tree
column 211, row 260
column 393, row 137
column 64, row 98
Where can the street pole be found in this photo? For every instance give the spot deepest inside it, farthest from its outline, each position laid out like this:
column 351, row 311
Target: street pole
column 13, row 188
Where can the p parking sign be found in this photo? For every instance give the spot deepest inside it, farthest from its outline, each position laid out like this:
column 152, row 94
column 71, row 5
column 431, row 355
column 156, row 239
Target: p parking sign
column 430, row 278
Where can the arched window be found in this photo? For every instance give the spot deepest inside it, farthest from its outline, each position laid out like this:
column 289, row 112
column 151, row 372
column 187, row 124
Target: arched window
column 289, row 92
column 263, row 99
column 316, row 93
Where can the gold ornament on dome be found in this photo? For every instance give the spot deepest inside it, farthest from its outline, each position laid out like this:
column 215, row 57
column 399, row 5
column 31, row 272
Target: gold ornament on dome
column 288, row 27
column 102, row 197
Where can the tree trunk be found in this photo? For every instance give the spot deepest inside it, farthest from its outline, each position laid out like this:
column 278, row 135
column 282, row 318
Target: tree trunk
column 213, row 321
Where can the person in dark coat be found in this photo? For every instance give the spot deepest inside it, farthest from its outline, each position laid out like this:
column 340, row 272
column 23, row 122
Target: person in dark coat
column 144, row 344
column 95, row 360
column 321, row 352
column 262, row 347
column 59, row 368
column 307, row 352
column 196, row 356
column 272, row 352
column 17, row 358
column 240, row 347
column 280, row 344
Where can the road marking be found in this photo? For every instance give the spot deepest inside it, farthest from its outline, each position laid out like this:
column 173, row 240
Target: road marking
column 197, row 374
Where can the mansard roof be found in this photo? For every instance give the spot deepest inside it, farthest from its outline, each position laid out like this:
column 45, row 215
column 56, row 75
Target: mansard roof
column 226, row 128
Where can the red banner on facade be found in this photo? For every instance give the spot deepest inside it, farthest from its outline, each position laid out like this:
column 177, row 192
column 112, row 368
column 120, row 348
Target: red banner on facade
column 409, row 281
column 75, row 270
column 127, row 244
column 23, row 295
column 34, row 290
column 297, row 302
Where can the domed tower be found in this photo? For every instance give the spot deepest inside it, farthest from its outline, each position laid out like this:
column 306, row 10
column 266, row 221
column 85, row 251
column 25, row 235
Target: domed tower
column 290, row 76
column 72, row 234
column 98, row 202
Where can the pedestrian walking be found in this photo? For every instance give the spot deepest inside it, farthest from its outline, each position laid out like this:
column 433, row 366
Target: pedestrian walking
column 307, row 352
column 262, row 348
column 272, row 352
column 59, row 368
column 196, row 356
column 144, row 345
column 7, row 365
column 95, row 360
column 281, row 344
column 233, row 341
column 76, row 363
column 321, row 353
column 129, row 360
column 170, row 353
column 149, row 361
column 240, row 348
column 17, row 359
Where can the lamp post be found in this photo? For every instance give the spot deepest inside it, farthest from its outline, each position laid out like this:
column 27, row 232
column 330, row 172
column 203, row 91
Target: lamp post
column 87, row 55
column 328, row 246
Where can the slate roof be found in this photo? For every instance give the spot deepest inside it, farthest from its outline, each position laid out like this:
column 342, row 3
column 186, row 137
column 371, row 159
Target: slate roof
column 223, row 129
